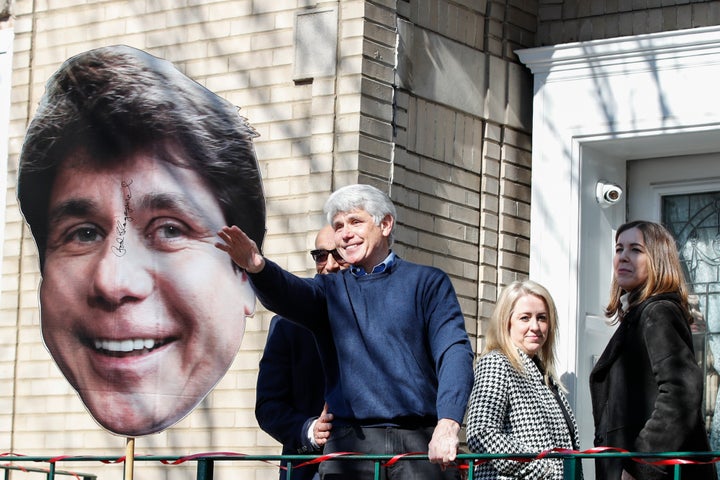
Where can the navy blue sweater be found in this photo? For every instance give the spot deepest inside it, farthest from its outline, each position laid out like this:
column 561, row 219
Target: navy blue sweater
column 393, row 344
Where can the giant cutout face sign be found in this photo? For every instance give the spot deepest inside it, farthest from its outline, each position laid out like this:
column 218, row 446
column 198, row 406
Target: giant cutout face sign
column 128, row 171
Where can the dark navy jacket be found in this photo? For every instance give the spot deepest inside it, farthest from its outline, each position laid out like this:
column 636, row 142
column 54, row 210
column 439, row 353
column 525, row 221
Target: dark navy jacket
column 290, row 390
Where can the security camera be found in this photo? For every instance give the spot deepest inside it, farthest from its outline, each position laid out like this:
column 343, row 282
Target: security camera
column 607, row 193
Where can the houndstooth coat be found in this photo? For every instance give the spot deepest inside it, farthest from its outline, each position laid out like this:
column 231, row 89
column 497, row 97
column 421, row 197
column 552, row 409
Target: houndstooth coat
column 510, row 412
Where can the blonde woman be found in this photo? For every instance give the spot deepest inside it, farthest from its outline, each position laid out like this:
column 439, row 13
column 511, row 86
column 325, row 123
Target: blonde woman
column 517, row 404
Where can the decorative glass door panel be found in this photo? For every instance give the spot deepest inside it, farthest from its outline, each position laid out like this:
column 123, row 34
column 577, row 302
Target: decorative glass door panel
column 694, row 220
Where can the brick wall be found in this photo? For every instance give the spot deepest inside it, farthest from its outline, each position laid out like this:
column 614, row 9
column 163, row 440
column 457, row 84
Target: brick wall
column 462, row 160
column 565, row 21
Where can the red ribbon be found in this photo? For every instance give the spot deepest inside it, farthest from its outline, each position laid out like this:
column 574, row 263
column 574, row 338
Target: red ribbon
column 323, row 458
column 19, row 467
column 23, row 469
column 662, row 461
column 199, row 455
column 396, row 458
column 209, row 454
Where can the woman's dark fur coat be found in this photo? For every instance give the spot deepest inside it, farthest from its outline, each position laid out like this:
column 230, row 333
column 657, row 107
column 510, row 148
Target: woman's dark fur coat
column 647, row 391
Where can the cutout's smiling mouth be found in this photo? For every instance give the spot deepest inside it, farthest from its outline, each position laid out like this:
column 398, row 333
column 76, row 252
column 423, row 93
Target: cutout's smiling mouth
column 130, row 347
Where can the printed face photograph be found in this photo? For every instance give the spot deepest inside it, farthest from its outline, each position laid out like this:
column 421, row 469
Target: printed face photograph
column 142, row 314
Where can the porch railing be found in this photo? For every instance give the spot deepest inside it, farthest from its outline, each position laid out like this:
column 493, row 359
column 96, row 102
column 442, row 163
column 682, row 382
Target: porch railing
column 205, row 462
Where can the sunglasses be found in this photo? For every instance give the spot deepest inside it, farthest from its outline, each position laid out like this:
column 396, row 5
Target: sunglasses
column 321, row 256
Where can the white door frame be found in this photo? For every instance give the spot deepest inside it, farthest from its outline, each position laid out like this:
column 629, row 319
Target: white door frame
column 597, row 105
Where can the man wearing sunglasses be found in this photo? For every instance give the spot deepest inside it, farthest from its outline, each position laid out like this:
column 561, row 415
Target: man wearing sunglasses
column 328, row 261
column 291, row 385
column 391, row 334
